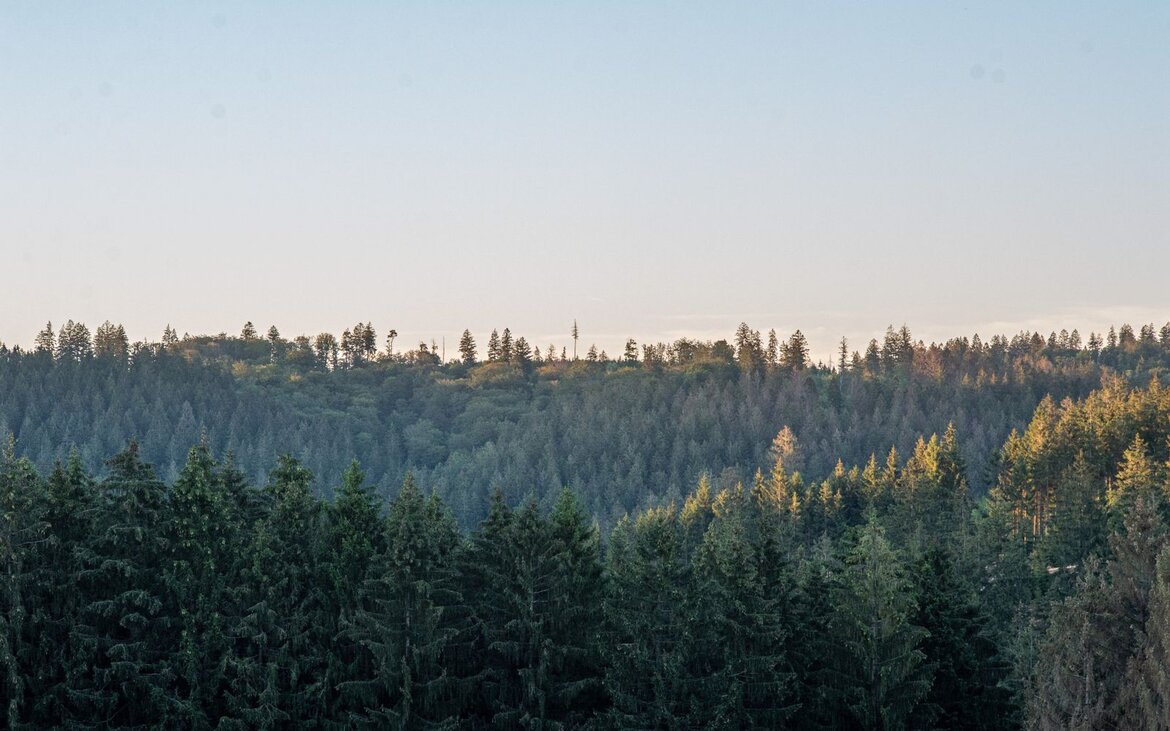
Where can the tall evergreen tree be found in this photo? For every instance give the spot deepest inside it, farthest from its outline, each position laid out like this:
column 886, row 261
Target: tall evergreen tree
column 882, row 667
column 276, row 667
column 646, row 622
column 23, row 530
column 467, row 348
column 128, row 619
column 409, row 621
column 742, row 628
column 1145, row 695
column 201, row 530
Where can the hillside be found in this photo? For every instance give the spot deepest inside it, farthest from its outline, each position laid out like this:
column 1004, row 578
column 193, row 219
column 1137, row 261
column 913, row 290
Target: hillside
column 624, row 434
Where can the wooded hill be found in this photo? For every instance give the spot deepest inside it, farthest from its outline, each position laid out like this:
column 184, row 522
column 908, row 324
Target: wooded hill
column 883, row 597
column 624, row 434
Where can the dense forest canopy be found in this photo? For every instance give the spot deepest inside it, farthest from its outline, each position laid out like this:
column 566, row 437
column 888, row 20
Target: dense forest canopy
column 625, row 433
column 881, row 597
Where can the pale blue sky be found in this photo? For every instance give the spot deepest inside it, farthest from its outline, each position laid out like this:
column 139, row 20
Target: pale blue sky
column 651, row 169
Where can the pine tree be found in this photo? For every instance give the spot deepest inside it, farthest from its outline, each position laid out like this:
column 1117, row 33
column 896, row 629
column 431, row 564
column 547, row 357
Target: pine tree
column 630, row 355
column 1092, row 635
column 276, row 668
column 882, row 667
column 467, row 348
column 45, row 343
column 409, row 621
column 202, row 538
column 794, row 353
column 1136, row 479
column 647, row 645
column 1077, row 526
column 748, row 352
column 23, row 530
column 275, row 344
column 741, row 623
column 813, row 649
column 506, row 346
column 354, row 542
column 170, row 339
column 514, row 612
column 110, row 342
column 576, row 613
column 59, row 651
column 522, row 354
column 1145, row 695
column 128, row 619
column 967, row 690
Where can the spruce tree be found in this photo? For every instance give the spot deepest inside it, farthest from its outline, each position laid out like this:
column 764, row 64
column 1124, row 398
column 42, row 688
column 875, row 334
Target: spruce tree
column 506, row 346
column 966, row 690
column 1145, row 694
column 277, row 665
column 129, row 618
column 881, row 665
column 467, row 348
column 576, row 614
column 202, row 531
column 647, row 631
column 23, row 531
column 60, row 652
column 409, row 620
column 740, row 621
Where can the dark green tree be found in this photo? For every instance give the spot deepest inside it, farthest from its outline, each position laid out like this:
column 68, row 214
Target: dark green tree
column 883, row 671
column 467, row 348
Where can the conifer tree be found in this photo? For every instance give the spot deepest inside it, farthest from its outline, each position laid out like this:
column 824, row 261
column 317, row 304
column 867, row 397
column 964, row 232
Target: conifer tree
column 966, row 690
column 506, row 346
column 467, row 348
column 110, row 342
column 201, row 529
column 515, row 616
column 647, row 645
column 522, row 353
column 59, row 652
column 576, row 614
column 23, row 529
column 1077, row 527
column 1137, row 478
column 1145, row 694
column 740, row 622
column 128, row 619
column 882, row 668
column 354, row 542
column 813, row 650
column 276, row 668
column 794, row 353
column 409, row 621
column 1091, row 637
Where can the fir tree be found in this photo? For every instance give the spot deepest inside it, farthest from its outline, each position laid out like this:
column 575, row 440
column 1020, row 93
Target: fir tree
column 467, row 348
column 882, row 666
column 128, row 621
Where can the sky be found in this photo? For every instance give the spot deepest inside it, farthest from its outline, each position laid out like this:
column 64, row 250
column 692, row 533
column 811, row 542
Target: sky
column 652, row 170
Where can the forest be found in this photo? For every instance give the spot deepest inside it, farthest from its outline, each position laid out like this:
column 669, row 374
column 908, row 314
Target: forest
column 247, row 532
column 624, row 433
